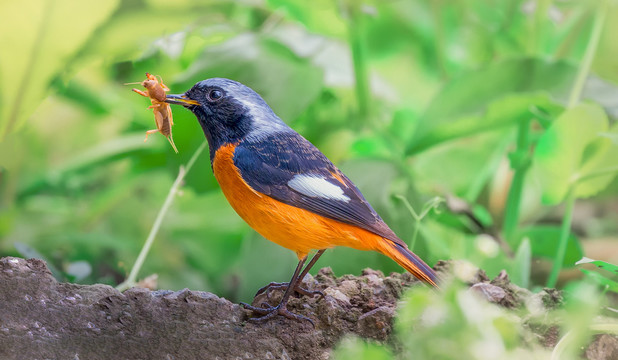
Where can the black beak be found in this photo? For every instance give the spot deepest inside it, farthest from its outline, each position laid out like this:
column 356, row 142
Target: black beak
column 181, row 99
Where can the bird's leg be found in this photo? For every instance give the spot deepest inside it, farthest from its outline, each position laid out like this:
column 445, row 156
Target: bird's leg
column 280, row 309
column 298, row 288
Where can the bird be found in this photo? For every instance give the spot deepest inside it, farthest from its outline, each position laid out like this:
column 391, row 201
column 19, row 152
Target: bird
column 285, row 188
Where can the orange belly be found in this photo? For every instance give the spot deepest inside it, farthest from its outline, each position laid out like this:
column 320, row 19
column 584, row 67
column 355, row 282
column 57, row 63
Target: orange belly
column 296, row 229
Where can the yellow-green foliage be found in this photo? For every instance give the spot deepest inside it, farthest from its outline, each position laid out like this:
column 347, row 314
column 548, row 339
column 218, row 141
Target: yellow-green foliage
column 419, row 99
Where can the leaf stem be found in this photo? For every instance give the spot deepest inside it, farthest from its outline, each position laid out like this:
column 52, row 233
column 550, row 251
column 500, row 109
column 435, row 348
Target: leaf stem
column 540, row 14
column 576, row 91
column 520, row 162
column 440, row 43
column 591, row 49
column 131, row 279
column 24, row 84
column 565, row 230
column 359, row 59
column 600, row 172
column 479, row 182
column 432, row 204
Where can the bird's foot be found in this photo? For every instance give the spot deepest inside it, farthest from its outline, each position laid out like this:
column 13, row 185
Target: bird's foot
column 272, row 286
column 272, row 311
column 282, row 286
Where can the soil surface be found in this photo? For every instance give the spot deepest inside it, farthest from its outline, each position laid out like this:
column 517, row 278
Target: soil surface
column 43, row 319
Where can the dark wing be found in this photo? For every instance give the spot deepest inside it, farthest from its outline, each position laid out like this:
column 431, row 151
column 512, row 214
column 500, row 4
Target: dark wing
column 290, row 169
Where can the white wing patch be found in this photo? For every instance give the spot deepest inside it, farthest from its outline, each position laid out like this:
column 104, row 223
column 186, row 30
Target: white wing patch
column 317, row 186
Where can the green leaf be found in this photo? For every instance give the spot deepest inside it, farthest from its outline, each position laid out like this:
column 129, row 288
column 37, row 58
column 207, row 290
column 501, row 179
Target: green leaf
column 38, row 38
column 124, row 146
column 612, row 136
column 600, row 264
column 371, row 146
column 560, row 151
column 321, row 16
column 457, row 110
column 266, row 66
column 117, row 147
column 600, row 164
column 120, row 39
column 457, row 166
column 83, row 95
column 483, row 215
column 602, row 280
column 544, row 243
column 502, row 112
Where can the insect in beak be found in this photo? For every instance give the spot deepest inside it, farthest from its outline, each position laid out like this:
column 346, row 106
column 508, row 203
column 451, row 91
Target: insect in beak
column 180, row 100
column 155, row 90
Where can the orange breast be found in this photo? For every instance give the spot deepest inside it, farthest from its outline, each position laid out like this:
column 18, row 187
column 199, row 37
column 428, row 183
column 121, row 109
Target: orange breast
column 296, row 229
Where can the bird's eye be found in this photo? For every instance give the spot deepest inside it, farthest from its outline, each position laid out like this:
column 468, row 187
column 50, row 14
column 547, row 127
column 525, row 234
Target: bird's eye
column 215, row 95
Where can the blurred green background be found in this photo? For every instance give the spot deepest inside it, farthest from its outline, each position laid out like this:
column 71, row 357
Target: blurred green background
column 466, row 100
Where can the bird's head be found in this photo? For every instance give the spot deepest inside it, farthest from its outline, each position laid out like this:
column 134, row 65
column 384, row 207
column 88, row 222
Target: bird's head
column 229, row 111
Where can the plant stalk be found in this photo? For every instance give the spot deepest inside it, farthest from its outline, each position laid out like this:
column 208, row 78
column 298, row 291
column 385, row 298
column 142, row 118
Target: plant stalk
column 520, row 166
column 576, row 91
column 24, row 84
column 432, row 204
column 536, row 34
column 591, row 49
column 359, row 59
column 600, row 172
column 565, row 230
column 131, row 279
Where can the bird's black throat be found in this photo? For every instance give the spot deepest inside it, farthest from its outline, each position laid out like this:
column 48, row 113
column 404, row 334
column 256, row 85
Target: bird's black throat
column 223, row 125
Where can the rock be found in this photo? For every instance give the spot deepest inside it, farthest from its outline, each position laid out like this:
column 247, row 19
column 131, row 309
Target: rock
column 41, row 318
column 603, row 347
column 489, row 292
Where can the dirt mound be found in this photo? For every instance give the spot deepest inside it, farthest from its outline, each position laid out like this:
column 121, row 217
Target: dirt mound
column 41, row 318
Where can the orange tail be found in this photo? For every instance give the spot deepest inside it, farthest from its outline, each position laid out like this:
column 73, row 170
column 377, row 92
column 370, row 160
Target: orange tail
column 408, row 260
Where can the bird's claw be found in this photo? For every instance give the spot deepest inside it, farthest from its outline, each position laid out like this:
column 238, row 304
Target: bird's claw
column 311, row 293
column 265, row 305
column 272, row 311
column 271, row 286
column 277, row 286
